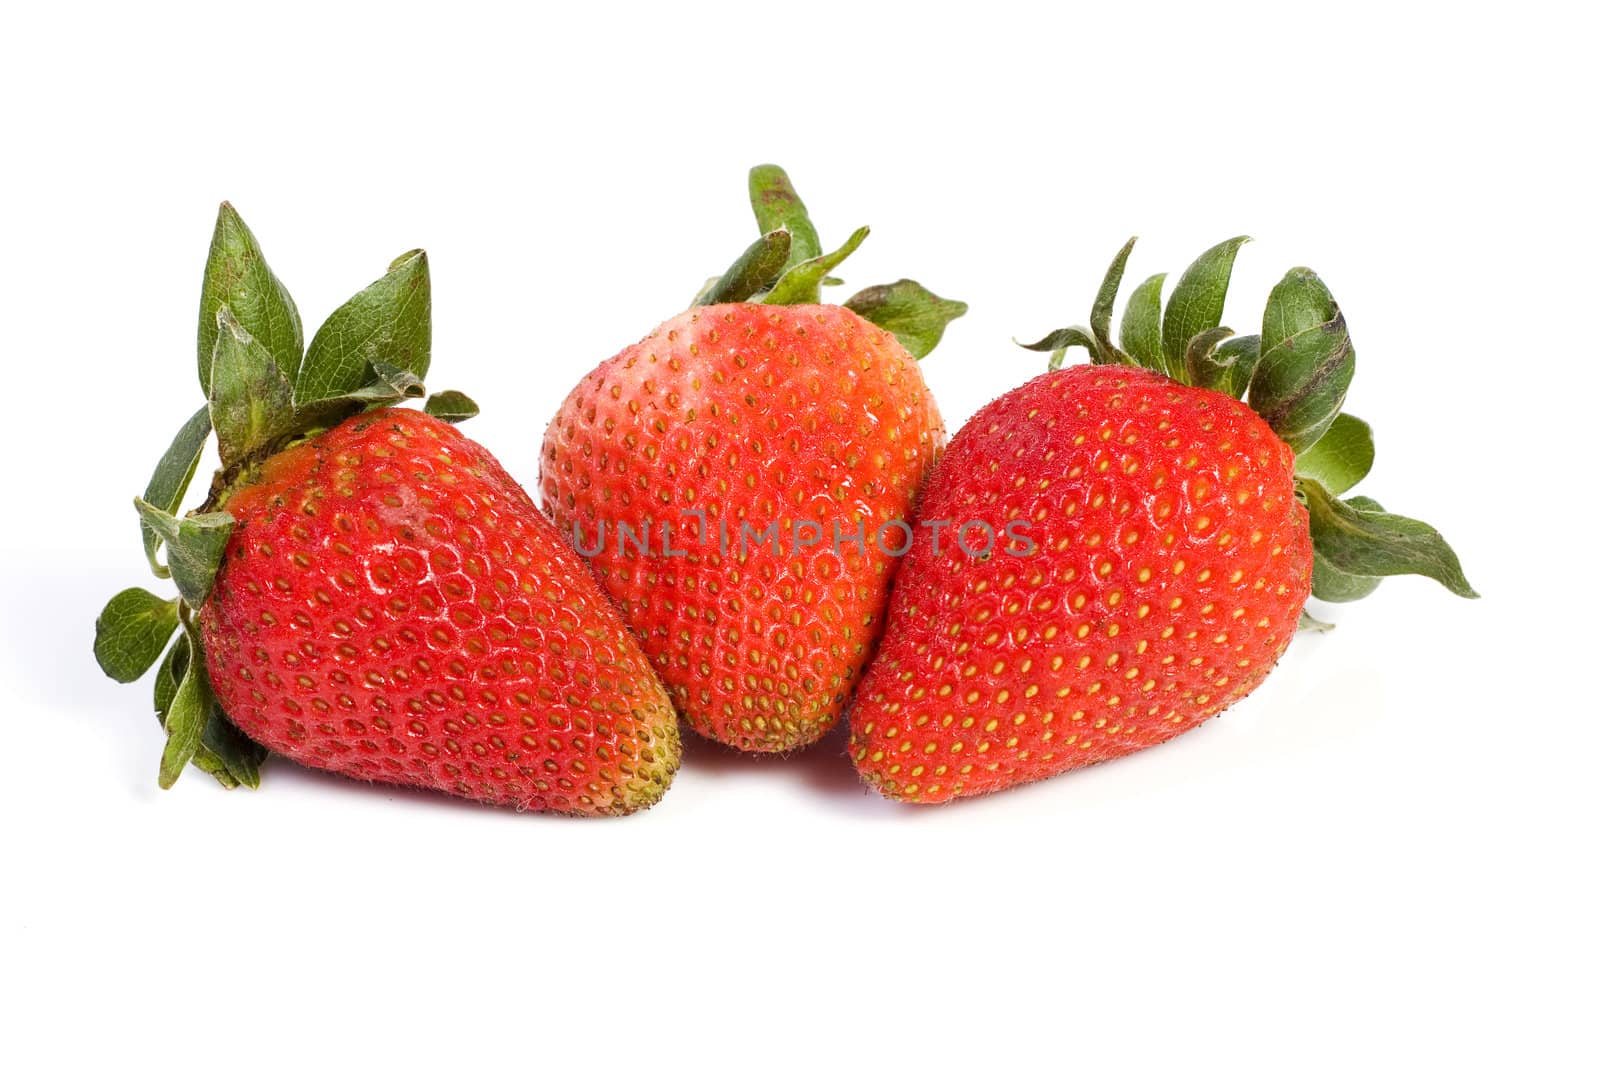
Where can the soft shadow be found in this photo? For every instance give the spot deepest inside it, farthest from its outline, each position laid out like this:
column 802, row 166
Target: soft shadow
column 824, row 764
column 277, row 769
column 822, row 767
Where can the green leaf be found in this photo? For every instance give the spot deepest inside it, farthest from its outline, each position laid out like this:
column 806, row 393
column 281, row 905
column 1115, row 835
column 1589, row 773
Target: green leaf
column 252, row 402
column 1141, row 325
column 802, row 283
column 1360, row 538
column 392, row 384
column 1199, row 361
column 1106, row 299
column 387, row 385
column 756, row 269
column 225, row 753
column 913, row 314
column 1307, row 360
column 1197, row 299
column 186, row 717
column 194, row 547
column 1341, row 457
column 1237, row 358
column 1057, row 342
column 778, row 206
column 451, row 406
column 1333, row 585
column 1329, row 583
column 1308, row 622
column 131, row 632
column 169, row 674
column 237, row 276
column 388, row 322
column 172, row 477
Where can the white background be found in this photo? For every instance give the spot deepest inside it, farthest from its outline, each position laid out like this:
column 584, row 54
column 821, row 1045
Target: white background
column 1383, row 855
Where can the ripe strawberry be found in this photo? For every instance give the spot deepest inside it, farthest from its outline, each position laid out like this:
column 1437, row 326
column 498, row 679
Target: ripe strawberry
column 392, row 607
column 1153, row 547
column 746, row 417
column 373, row 594
column 756, row 415
column 1170, row 565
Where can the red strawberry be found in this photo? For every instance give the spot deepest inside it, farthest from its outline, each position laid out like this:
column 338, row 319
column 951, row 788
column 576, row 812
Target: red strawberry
column 734, row 419
column 1169, row 568
column 373, row 593
column 1151, row 553
column 756, row 415
column 392, row 607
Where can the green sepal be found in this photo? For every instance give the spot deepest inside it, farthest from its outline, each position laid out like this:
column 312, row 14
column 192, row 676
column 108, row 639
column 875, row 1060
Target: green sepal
column 388, row 322
column 386, row 385
column 451, row 405
column 1106, row 299
column 1334, row 586
column 1056, row 342
column 1295, row 373
column 225, row 752
column 186, row 716
column 1196, row 302
column 237, row 276
column 1360, row 538
column 802, row 282
column 168, row 678
column 778, row 207
column 131, row 632
column 1341, row 457
column 1200, row 364
column 916, row 316
column 392, row 385
column 169, row 674
column 252, row 401
column 195, row 545
column 1311, row 623
column 1236, row 360
column 757, row 268
column 171, row 479
column 1307, row 360
column 1330, row 584
column 1140, row 334
column 1097, row 338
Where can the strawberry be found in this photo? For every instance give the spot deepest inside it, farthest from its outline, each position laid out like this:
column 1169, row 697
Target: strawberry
column 372, row 594
column 1139, row 542
column 753, row 447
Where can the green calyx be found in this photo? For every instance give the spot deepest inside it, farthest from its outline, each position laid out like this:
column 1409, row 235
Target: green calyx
column 1294, row 374
column 265, row 389
column 787, row 265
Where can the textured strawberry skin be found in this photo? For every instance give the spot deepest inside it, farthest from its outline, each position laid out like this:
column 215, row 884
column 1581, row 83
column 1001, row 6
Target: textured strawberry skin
column 755, row 414
column 392, row 607
column 1171, row 563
